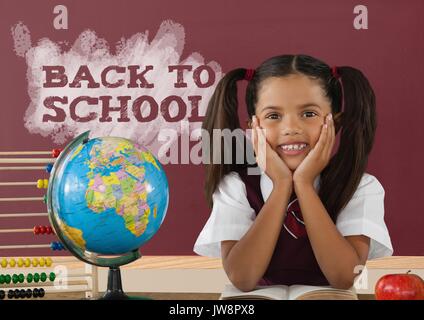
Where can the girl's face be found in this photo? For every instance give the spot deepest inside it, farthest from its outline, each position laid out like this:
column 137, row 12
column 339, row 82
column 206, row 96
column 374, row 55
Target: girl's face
column 292, row 109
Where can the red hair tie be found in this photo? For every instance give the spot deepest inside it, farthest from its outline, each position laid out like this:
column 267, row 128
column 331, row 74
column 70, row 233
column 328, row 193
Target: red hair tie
column 249, row 74
column 338, row 76
column 335, row 73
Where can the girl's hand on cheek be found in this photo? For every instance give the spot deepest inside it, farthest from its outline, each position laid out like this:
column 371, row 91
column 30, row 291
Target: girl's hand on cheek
column 268, row 160
column 318, row 158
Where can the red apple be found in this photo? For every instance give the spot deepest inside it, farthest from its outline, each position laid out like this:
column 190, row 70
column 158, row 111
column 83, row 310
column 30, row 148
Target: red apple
column 404, row 286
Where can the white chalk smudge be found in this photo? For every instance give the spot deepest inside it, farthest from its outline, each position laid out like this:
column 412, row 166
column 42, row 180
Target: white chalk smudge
column 21, row 38
column 164, row 50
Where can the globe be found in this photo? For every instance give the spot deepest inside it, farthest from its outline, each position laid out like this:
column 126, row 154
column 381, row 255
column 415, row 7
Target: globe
column 106, row 198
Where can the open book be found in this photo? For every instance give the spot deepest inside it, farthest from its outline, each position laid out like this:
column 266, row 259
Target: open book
column 294, row 292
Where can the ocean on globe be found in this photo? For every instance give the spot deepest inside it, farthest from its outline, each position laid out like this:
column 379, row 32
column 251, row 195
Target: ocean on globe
column 107, row 196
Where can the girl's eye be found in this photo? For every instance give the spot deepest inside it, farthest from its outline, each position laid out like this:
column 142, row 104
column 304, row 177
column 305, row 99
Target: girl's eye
column 273, row 116
column 309, row 114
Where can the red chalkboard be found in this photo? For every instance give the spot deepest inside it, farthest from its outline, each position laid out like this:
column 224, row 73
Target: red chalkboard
column 222, row 35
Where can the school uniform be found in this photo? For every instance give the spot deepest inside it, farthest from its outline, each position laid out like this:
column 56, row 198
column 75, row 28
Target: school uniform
column 239, row 198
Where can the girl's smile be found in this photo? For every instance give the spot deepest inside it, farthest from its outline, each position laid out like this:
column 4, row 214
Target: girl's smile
column 293, row 153
column 293, row 148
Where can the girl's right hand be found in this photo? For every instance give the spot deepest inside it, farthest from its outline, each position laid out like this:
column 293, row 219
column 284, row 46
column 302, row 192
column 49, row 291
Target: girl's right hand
column 269, row 160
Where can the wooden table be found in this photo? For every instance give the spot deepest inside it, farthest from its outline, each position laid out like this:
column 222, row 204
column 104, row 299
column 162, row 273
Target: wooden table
column 167, row 296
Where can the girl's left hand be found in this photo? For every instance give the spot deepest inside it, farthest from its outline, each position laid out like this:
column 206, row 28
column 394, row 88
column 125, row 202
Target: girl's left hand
column 318, row 158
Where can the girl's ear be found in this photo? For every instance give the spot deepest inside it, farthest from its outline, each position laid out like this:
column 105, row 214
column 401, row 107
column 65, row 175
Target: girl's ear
column 337, row 118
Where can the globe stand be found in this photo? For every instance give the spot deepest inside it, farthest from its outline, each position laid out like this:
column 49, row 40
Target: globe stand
column 114, row 286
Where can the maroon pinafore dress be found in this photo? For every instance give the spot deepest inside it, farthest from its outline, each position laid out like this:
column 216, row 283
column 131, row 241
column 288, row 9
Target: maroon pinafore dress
column 293, row 261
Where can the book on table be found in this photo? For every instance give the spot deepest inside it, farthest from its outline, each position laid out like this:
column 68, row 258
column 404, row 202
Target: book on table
column 294, row 292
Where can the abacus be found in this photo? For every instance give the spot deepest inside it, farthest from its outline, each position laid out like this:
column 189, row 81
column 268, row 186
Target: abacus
column 36, row 276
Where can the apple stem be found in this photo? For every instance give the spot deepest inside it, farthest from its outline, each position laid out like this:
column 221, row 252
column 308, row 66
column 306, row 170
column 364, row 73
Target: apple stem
column 408, row 271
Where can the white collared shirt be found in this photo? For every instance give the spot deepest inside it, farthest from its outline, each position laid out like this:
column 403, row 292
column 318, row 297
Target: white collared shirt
column 232, row 216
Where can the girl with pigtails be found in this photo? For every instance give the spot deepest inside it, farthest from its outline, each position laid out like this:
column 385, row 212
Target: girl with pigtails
column 313, row 216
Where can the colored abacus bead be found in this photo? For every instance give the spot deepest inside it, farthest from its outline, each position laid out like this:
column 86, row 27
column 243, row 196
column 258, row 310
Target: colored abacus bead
column 36, row 230
column 55, row 245
column 49, row 167
column 35, row 293
column 27, row 262
column 56, row 152
column 45, row 199
column 43, row 277
column 22, row 293
column 29, row 277
column 42, row 184
column 36, row 277
column 20, row 262
column 28, row 293
column 42, row 262
column 34, row 262
column 2, row 294
column 3, row 263
column 15, row 278
column 41, row 292
column 12, row 263
column 52, row 276
column 21, row 278
column 7, row 278
column 43, row 229
column 49, row 262
column 11, row 294
column 2, row 279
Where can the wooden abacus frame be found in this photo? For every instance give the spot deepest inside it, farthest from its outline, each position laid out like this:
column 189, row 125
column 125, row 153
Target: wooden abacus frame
column 76, row 280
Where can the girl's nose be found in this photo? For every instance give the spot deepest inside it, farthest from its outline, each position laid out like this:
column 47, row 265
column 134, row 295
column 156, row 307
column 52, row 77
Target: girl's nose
column 290, row 126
